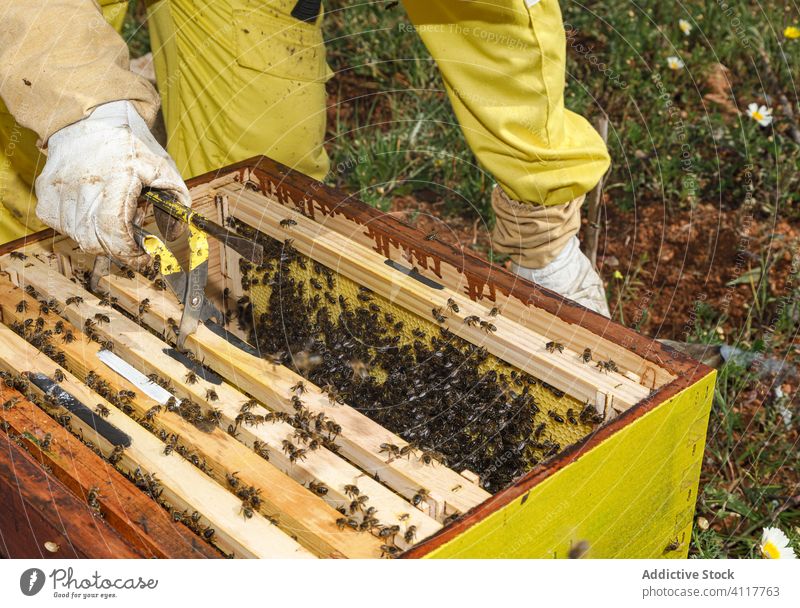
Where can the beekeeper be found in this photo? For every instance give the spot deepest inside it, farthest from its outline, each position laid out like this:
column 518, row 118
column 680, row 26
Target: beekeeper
column 244, row 77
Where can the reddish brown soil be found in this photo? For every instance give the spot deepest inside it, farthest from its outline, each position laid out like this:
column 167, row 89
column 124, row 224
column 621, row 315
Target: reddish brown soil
column 673, row 260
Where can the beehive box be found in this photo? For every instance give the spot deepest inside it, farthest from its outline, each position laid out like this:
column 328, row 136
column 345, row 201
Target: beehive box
column 376, row 392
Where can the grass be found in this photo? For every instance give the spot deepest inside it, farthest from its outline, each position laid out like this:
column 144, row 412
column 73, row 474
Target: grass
column 678, row 139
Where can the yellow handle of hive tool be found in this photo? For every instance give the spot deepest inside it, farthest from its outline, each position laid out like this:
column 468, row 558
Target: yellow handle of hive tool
column 156, row 248
column 198, row 247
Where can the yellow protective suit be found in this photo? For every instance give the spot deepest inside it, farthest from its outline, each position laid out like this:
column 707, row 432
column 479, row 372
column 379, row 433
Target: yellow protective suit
column 243, row 77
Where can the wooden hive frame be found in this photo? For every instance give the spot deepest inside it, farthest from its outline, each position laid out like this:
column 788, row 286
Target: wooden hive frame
column 654, row 388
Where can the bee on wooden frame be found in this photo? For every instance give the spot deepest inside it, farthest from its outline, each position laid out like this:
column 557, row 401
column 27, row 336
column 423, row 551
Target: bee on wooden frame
column 320, row 489
column 488, row 327
column 552, row 347
column 586, row 355
column 451, row 305
column 437, row 314
column 22, row 306
column 421, row 495
column 607, row 366
column 18, row 255
column 389, row 551
column 287, row 223
column 191, row 377
column 45, row 443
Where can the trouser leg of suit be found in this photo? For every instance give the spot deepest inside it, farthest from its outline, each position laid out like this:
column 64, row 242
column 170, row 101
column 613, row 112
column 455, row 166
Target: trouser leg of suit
column 239, row 78
column 503, row 65
column 21, row 161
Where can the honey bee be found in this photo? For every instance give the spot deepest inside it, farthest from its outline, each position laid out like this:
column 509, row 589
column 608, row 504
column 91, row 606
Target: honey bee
column 191, row 377
column 607, row 366
column 73, row 300
column 556, row 416
column 22, row 306
column 211, row 395
column 358, row 503
column 261, row 448
column 299, row 388
column 320, row 489
column 116, row 454
column 451, row 305
column 107, row 300
column 586, row 356
column 488, row 327
column 472, row 320
column 552, row 347
column 58, row 375
column 410, row 534
column 233, row 479
column 431, row 236
column 437, row 314
column 421, row 495
column 45, row 443
column 389, row 551
column 101, row 318
column 351, row 491
column 494, row 312
column 287, row 223
column 18, row 255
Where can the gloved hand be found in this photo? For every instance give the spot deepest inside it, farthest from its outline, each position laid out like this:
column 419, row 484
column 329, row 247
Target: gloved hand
column 95, row 170
column 570, row 274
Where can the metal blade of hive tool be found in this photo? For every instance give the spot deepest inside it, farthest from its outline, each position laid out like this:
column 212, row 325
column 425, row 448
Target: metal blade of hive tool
column 196, row 306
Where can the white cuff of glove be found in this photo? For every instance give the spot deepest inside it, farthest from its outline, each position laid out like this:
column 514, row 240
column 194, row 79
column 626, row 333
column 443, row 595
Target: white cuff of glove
column 96, row 168
column 571, row 274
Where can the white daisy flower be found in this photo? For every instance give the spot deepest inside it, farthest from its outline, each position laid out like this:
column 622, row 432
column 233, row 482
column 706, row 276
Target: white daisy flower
column 761, row 114
column 775, row 545
column 685, row 26
column 675, row 63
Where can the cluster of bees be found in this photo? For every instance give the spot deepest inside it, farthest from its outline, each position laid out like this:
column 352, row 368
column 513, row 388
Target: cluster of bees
column 450, row 399
column 362, row 518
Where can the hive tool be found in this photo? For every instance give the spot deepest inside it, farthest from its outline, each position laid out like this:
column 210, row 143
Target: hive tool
column 187, row 283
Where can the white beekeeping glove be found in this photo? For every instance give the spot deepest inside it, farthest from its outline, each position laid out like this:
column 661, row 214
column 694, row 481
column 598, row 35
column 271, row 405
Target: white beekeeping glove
column 571, row 275
column 95, row 170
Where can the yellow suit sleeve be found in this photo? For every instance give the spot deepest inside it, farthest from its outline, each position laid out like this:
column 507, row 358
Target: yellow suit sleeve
column 59, row 59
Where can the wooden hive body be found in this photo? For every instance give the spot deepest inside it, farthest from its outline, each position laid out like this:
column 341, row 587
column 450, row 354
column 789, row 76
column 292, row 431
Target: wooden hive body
column 623, row 488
